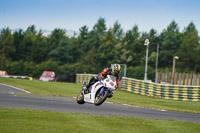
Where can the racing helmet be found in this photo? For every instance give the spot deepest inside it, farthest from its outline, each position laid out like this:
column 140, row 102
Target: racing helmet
column 116, row 68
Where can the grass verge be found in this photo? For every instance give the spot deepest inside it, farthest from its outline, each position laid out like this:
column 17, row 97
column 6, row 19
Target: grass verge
column 32, row 121
column 71, row 90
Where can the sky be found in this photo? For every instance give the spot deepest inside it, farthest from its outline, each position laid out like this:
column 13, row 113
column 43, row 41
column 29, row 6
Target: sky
column 73, row 14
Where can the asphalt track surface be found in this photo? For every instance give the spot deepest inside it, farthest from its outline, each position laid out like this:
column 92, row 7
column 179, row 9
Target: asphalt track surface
column 16, row 98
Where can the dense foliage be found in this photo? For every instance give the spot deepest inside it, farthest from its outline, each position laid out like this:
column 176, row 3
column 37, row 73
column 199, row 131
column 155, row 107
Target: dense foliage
column 30, row 52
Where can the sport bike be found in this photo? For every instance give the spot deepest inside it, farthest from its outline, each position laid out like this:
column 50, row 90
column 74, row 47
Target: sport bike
column 98, row 92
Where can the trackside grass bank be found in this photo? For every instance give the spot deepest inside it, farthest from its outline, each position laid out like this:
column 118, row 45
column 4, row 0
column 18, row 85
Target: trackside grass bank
column 72, row 89
column 32, row 121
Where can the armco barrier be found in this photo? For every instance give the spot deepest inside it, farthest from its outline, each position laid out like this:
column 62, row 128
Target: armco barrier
column 16, row 77
column 83, row 77
column 174, row 92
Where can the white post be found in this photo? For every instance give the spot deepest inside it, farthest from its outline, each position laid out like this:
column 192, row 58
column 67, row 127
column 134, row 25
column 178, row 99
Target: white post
column 173, row 68
column 156, row 76
column 147, row 51
column 125, row 70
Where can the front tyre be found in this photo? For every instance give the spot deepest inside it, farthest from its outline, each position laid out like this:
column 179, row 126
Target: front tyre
column 80, row 98
column 100, row 98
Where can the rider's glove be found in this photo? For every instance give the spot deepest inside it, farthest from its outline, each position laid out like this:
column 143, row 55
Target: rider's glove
column 100, row 77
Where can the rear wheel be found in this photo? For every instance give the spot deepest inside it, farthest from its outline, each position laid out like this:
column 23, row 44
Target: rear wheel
column 80, row 98
column 100, row 98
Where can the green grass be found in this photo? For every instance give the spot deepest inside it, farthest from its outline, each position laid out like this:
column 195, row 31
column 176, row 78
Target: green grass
column 146, row 101
column 32, row 121
column 44, row 88
column 71, row 90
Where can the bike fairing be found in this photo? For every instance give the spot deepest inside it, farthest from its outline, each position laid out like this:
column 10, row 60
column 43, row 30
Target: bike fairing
column 108, row 71
column 100, row 83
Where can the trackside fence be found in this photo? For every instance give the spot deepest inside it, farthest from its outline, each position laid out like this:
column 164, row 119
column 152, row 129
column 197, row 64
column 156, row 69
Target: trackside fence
column 84, row 77
column 180, row 78
column 173, row 92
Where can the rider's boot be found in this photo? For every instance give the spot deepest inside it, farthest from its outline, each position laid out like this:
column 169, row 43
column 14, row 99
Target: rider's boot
column 88, row 86
column 84, row 87
column 110, row 95
column 91, row 82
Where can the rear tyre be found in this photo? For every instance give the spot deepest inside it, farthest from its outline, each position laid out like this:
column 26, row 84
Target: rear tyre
column 80, row 98
column 100, row 98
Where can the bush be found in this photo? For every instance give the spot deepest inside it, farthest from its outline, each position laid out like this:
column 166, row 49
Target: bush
column 45, row 66
column 138, row 72
column 76, row 68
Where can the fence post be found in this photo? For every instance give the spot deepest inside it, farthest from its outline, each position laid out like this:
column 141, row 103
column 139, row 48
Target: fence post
column 170, row 77
column 194, row 79
column 173, row 78
column 178, row 82
column 191, row 79
column 181, row 83
column 199, row 79
column 183, row 78
column 176, row 78
column 187, row 77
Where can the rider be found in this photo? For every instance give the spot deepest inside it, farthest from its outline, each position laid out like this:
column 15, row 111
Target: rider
column 110, row 71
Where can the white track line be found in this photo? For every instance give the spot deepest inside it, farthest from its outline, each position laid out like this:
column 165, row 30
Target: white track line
column 15, row 88
column 136, row 106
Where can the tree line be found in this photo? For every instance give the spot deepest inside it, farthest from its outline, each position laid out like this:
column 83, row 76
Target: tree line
column 29, row 52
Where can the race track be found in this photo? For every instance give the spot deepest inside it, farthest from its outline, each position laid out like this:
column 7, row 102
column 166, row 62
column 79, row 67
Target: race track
column 16, row 98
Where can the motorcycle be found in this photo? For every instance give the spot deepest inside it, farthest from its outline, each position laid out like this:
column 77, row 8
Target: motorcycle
column 98, row 92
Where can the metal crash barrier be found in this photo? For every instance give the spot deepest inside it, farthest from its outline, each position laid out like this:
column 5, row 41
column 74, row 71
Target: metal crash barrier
column 84, row 77
column 16, row 77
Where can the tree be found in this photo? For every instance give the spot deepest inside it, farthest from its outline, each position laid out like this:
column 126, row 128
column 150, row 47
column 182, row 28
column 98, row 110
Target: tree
column 90, row 51
column 7, row 48
column 18, row 42
column 39, row 49
column 189, row 49
column 170, row 40
column 154, row 41
column 91, row 59
column 197, row 59
column 116, row 37
column 117, row 31
column 83, row 43
column 54, row 39
column 28, row 41
column 63, row 53
column 131, row 48
column 97, row 33
column 106, row 51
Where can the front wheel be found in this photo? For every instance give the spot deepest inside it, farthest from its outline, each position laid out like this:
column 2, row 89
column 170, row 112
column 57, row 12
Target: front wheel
column 101, row 96
column 80, row 98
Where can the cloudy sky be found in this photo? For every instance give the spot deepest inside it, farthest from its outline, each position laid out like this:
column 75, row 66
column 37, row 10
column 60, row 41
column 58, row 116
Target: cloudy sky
column 73, row 14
